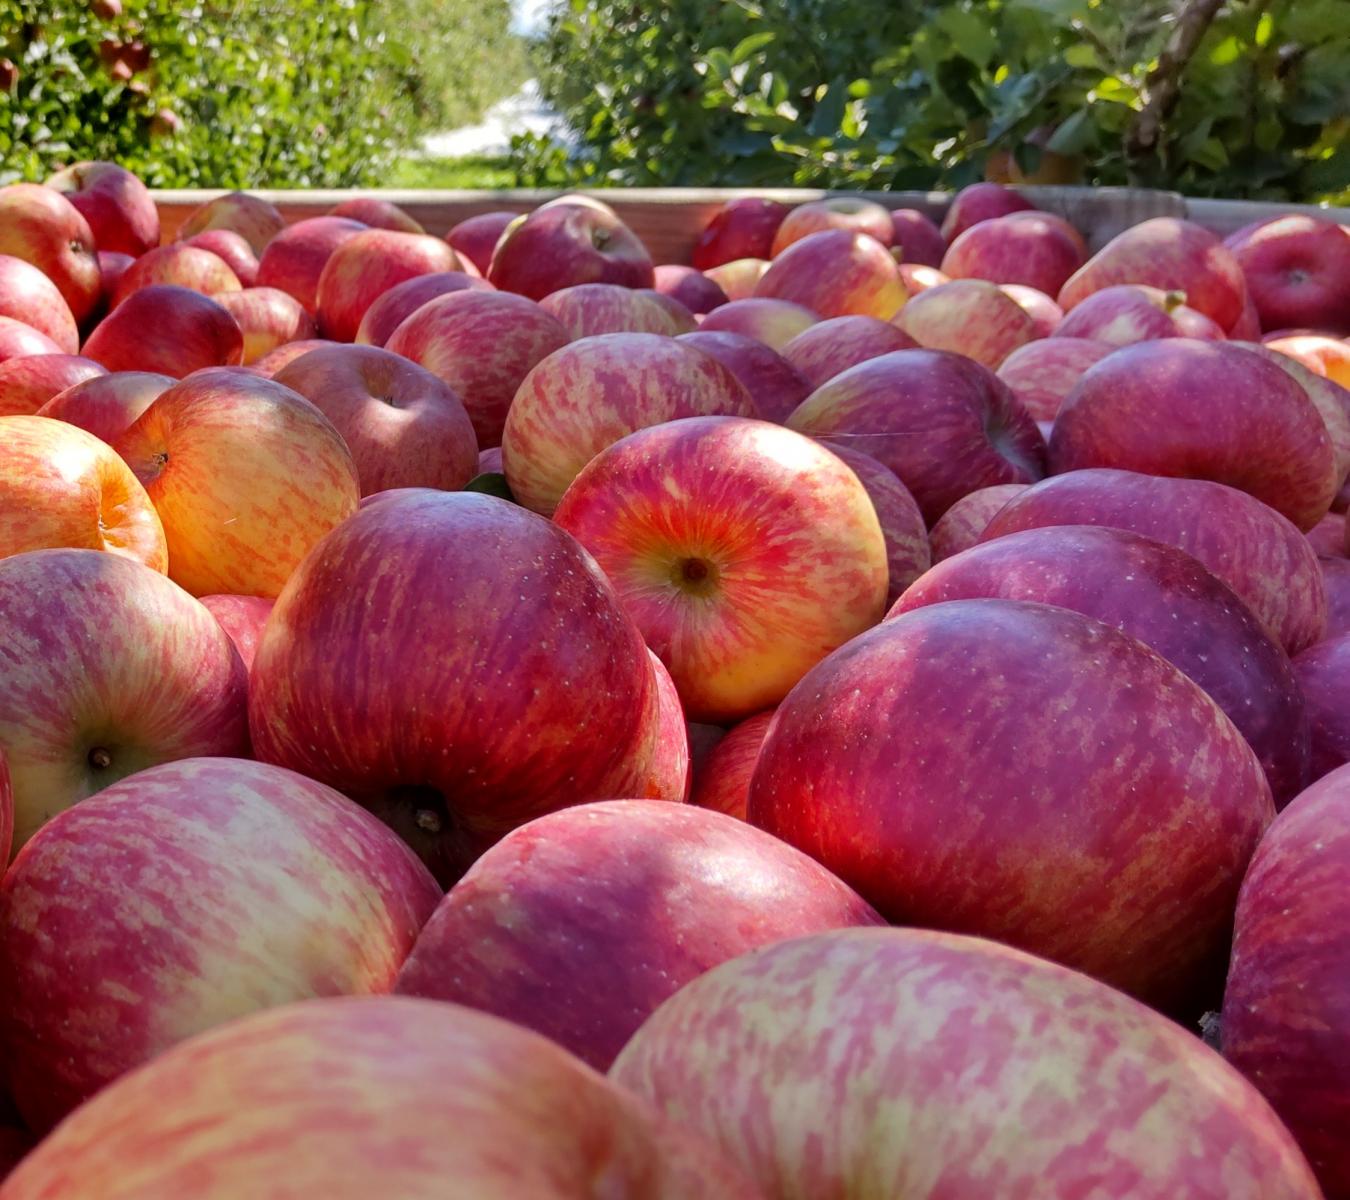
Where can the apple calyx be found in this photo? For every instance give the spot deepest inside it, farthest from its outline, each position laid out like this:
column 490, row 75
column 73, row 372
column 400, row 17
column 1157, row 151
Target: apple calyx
column 694, row 575
column 99, row 758
column 1173, row 300
column 600, row 238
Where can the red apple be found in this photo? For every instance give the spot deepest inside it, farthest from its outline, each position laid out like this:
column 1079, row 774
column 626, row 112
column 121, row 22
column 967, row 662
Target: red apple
column 18, row 341
column 920, row 278
column 1201, row 410
column 233, row 250
column 981, row 202
column 944, row 424
column 836, row 273
column 741, row 228
column 1055, row 759
column 962, row 525
column 788, row 1058
column 738, row 278
column 1247, row 544
column 669, row 771
column 915, row 239
column 1297, row 269
column 723, row 780
column 1336, row 577
column 1324, row 355
column 590, row 309
column 6, row 845
column 743, row 552
column 366, row 266
column 1044, row 312
column 260, row 888
column 27, row 295
column 1029, row 249
column 692, row 288
column 775, row 387
column 107, row 405
column 403, row 425
column 169, row 329
column 773, row 322
column 268, row 318
column 377, row 214
column 1328, row 536
column 118, row 207
column 111, row 267
column 563, row 244
column 827, row 348
column 242, row 618
column 295, row 258
column 968, row 316
column 490, row 460
column 482, row 344
column 1132, row 312
column 474, row 238
column 1324, row 672
column 252, row 217
column 273, row 361
column 42, row 227
column 849, row 213
column 27, row 383
column 1043, row 373
column 591, row 393
column 404, row 299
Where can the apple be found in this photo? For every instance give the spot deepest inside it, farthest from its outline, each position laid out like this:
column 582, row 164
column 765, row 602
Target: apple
column 1172, row 255
column 118, row 207
column 403, row 425
column 962, row 525
column 1323, row 355
column 262, row 888
column 1044, row 312
column 1297, row 269
column 256, row 220
column 273, row 361
column 993, row 1071
column 1163, row 597
column 981, row 202
column 1055, row 759
column 246, row 475
column 111, row 267
column 1336, row 578
column 469, row 629
column 919, row 278
column 743, row 552
column 1043, row 373
column 695, row 290
column 1324, row 673
column 1201, row 410
column 1328, row 536
column 474, row 238
column 404, row 299
column 589, row 309
column 836, row 273
column 482, row 344
column 6, row 825
column 373, row 1095
column 829, row 347
column 295, row 258
column 915, row 239
column 39, row 225
column 1131, row 312
column 242, row 618
column 61, row 486
column 1247, row 544
column 169, row 329
column 562, row 244
column 773, row 322
column 591, row 393
column 775, row 387
column 1031, row 250
column 268, row 318
column 27, row 295
column 27, row 383
column 109, row 668
column 968, row 316
column 849, row 213
column 233, row 250
column 741, row 228
column 377, row 214
column 19, row 341
column 108, row 404
column 366, row 266
column 944, row 424
column 723, row 780
column 681, row 317
column 660, row 893
column 738, row 278
column 490, row 461
column 669, row 771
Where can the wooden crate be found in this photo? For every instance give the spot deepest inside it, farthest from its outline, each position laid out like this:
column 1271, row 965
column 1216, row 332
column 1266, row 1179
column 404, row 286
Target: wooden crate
column 669, row 219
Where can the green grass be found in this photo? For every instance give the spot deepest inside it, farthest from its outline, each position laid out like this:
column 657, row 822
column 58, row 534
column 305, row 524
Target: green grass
column 474, row 172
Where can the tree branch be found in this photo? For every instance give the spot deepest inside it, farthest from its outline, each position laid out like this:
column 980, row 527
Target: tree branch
column 1162, row 89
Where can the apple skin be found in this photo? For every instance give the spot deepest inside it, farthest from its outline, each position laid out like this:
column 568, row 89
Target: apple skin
column 1163, row 597
column 6, row 821
column 27, row 383
column 670, row 769
column 741, row 228
column 1252, row 548
column 723, row 780
column 743, row 552
column 783, row 1056
column 471, row 626
column 1172, row 255
column 981, row 202
column 109, row 404
column 1323, row 355
column 563, row 244
column 919, row 278
column 1132, row 312
column 830, row 347
column 692, row 288
column 962, row 525
column 1029, row 250
column 246, row 475
column 1171, row 407
column 1071, row 828
column 27, row 295
column 660, row 893
column 242, row 618
column 426, row 1093
column 118, row 207
column 1045, row 314
column 168, row 329
column 773, row 322
column 189, row 895
column 268, row 318
column 111, row 267
column 404, row 299
column 482, row 344
column 591, row 393
column 256, row 220
column 490, row 461
column 591, row 309
column 366, row 266
column 915, row 239
column 1043, row 373
column 1324, row 672
column 1328, row 536
column 403, row 425
column 274, row 360
column 475, row 238
column 115, row 670
column 836, row 273
column 377, row 214
column 738, row 278
column 975, row 433
column 1336, row 576
column 1297, row 269
column 61, row 486
column 39, row 225
column 18, row 341
column 968, row 316
column 849, row 213
column 775, row 387
column 233, row 250
column 681, row 316
column 295, row 258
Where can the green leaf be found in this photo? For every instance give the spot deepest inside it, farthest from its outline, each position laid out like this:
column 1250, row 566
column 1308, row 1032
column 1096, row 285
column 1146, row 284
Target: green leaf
column 971, row 36
column 1074, row 135
column 829, row 111
column 490, row 483
column 749, row 46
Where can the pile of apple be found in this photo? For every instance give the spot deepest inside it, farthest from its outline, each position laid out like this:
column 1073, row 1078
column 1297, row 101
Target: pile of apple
column 490, row 717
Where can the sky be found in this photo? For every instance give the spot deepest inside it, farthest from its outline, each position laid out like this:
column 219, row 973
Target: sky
column 527, row 16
